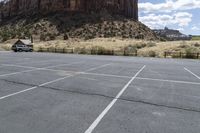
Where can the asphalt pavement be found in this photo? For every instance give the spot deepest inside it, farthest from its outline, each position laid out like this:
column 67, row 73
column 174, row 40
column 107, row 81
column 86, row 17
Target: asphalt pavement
column 66, row 93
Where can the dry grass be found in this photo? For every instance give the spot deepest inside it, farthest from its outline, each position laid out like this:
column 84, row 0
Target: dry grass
column 5, row 47
column 144, row 48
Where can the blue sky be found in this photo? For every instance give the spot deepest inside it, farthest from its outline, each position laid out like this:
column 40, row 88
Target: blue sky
column 183, row 15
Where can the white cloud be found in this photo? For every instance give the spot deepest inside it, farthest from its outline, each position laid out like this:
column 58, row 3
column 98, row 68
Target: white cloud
column 169, row 6
column 183, row 18
column 161, row 20
column 195, row 28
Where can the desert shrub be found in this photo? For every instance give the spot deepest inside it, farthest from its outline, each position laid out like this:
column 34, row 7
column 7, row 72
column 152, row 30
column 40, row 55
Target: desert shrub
column 183, row 46
column 196, row 44
column 13, row 35
column 130, row 50
column 163, row 39
column 88, row 37
column 131, row 47
column 81, row 50
column 152, row 53
column 151, row 44
column 27, row 33
column 141, row 45
column 101, row 51
column 191, row 52
column 42, row 37
column 5, row 37
column 51, row 36
column 148, row 53
column 177, row 54
column 140, row 36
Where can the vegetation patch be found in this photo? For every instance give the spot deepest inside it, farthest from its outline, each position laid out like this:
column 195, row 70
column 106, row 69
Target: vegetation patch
column 195, row 37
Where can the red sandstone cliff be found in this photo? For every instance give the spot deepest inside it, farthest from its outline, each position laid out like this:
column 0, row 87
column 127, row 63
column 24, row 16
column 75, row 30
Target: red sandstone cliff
column 9, row 8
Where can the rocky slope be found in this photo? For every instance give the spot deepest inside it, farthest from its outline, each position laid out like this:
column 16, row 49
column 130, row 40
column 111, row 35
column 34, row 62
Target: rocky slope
column 65, row 26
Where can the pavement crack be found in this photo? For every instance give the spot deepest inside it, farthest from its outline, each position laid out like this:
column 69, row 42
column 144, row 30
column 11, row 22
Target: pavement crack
column 109, row 97
column 78, row 92
column 125, row 99
column 161, row 105
column 19, row 83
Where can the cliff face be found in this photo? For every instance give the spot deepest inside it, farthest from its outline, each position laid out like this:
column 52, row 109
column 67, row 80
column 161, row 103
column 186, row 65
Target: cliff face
column 9, row 8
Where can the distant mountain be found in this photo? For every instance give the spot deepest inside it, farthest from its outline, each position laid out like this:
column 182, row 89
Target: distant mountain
column 171, row 35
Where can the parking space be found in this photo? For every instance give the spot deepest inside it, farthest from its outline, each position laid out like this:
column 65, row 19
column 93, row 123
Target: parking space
column 173, row 95
column 83, row 66
column 121, row 69
column 7, row 88
column 10, row 69
column 168, row 72
column 42, row 92
column 35, row 77
column 129, row 117
column 47, row 110
column 91, row 84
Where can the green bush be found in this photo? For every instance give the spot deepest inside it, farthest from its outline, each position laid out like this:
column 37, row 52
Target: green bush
column 191, row 53
column 152, row 53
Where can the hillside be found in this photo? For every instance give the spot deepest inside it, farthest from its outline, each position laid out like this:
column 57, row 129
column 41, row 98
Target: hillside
column 82, row 26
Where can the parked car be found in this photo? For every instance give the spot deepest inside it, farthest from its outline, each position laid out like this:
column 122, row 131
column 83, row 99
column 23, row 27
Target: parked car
column 22, row 45
column 22, row 48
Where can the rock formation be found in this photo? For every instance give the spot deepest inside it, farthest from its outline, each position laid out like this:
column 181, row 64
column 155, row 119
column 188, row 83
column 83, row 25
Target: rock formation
column 9, row 8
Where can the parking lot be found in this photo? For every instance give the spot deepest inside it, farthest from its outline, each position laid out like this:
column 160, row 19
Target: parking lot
column 59, row 93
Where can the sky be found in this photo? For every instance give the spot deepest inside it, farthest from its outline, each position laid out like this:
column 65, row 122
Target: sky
column 183, row 15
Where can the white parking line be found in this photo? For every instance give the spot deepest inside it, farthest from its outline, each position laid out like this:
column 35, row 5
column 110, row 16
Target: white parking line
column 106, row 75
column 86, row 73
column 111, row 75
column 32, row 88
column 105, row 111
column 192, row 73
column 53, row 81
column 36, row 69
column 171, row 81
